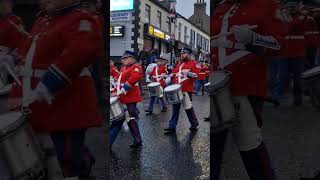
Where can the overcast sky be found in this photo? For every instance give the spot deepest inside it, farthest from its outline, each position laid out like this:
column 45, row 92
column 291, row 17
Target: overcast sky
column 185, row 7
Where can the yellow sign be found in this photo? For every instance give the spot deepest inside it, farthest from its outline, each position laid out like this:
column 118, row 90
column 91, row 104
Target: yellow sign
column 151, row 29
column 111, row 30
column 158, row 33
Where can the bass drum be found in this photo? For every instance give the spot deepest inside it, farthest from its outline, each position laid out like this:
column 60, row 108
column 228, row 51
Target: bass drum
column 222, row 108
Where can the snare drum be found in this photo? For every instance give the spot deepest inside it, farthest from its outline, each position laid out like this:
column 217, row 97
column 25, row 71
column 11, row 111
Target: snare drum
column 155, row 89
column 116, row 109
column 222, row 106
column 311, row 83
column 174, row 94
column 21, row 157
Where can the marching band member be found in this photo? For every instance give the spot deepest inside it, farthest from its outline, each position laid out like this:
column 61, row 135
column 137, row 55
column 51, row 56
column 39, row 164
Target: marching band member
column 184, row 73
column 202, row 77
column 158, row 74
column 293, row 53
column 114, row 74
column 129, row 92
column 241, row 37
column 65, row 42
column 12, row 35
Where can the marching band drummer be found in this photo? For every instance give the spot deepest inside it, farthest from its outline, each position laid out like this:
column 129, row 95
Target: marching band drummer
column 187, row 71
column 66, row 40
column 12, row 35
column 242, row 52
column 158, row 74
column 129, row 92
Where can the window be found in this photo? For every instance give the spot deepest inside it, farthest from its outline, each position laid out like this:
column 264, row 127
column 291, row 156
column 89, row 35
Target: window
column 193, row 38
column 179, row 31
column 158, row 19
column 169, row 24
column 198, row 39
column 147, row 14
column 185, row 34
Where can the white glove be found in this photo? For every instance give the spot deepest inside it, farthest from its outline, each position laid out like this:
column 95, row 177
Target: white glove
column 243, row 34
column 220, row 42
column 121, row 91
column 163, row 76
column 41, row 93
column 168, row 80
column 185, row 72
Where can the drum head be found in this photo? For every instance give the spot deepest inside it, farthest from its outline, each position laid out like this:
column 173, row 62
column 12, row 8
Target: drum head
column 311, row 72
column 218, row 80
column 153, row 84
column 113, row 99
column 10, row 121
column 173, row 87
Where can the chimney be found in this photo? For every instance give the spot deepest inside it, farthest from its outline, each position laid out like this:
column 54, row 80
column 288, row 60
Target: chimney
column 200, row 7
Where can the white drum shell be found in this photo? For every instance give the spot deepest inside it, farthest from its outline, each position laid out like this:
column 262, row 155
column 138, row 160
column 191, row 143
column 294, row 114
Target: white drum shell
column 20, row 154
column 116, row 110
column 154, row 89
column 174, row 96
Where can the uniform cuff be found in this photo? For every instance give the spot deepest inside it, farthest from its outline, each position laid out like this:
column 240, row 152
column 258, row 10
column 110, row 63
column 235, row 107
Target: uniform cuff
column 54, row 80
column 127, row 87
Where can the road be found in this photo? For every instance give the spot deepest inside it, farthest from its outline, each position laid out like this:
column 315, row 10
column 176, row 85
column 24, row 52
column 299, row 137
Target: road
column 292, row 136
column 183, row 155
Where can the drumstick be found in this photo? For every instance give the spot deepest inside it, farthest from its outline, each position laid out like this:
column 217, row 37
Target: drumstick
column 12, row 73
column 229, row 33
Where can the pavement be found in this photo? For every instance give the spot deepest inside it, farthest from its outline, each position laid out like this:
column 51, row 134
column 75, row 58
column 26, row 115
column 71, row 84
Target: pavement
column 292, row 137
column 183, row 155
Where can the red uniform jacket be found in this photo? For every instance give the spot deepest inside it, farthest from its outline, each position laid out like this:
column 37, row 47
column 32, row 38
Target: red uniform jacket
column 68, row 42
column 131, row 75
column 249, row 72
column 114, row 72
column 162, row 70
column 202, row 72
column 187, row 85
column 10, row 36
column 294, row 44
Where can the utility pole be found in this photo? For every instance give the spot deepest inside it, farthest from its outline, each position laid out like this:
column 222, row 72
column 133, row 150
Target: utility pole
column 173, row 15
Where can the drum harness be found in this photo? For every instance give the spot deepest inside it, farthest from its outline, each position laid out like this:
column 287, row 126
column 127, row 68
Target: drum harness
column 51, row 162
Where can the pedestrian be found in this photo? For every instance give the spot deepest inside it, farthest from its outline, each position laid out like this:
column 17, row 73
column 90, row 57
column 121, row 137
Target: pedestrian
column 242, row 55
column 129, row 92
column 184, row 74
column 66, row 103
column 158, row 74
column 202, row 77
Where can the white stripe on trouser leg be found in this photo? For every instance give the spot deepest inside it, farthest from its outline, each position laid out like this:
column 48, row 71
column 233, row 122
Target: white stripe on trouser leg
column 187, row 104
column 247, row 134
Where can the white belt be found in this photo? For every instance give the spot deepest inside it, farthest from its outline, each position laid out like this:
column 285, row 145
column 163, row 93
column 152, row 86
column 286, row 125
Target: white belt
column 38, row 73
column 202, row 73
column 294, row 37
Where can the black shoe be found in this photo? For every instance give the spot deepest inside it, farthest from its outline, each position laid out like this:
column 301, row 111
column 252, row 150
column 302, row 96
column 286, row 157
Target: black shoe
column 170, row 130
column 164, row 109
column 193, row 129
column 297, row 101
column 136, row 145
column 147, row 110
column 149, row 113
column 207, row 119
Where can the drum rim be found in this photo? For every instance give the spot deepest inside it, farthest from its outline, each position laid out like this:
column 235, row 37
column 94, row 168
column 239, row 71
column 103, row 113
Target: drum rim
column 303, row 75
column 224, row 83
column 180, row 87
column 157, row 84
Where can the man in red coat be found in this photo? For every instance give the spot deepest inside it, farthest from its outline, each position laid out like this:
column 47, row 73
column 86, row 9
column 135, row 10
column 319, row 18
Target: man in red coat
column 129, row 92
column 12, row 35
column 158, row 74
column 64, row 42
column 202, row 77
column 243, row 33
column 185, row 73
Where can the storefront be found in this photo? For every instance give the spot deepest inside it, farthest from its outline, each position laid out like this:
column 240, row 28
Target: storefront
column 155, row 38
